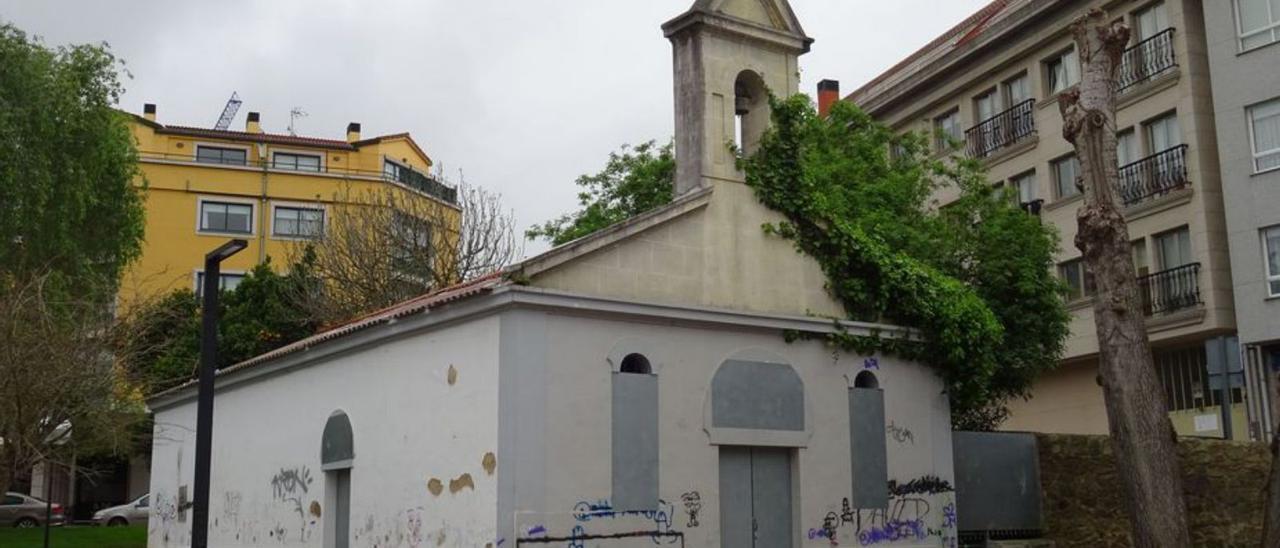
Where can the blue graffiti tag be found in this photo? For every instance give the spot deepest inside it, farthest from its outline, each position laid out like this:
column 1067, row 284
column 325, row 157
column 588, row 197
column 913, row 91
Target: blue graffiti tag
column 949, row 515
column 661, row 516
column 893, row 531
column 871, row 363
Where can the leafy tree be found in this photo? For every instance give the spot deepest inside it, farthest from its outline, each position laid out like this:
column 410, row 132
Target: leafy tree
column 633, row 181
column 974, row 276
column 68, row 203
column 162, row 338
column 71, row 219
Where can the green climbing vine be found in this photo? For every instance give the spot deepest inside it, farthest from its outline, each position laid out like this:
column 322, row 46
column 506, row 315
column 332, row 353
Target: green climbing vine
column 973, row 276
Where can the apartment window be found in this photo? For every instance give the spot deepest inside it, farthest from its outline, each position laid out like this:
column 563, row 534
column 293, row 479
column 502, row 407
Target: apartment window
column 294, row 161
column 1271, row 246
column 394, row 171
column 297, row 222
column 986, row 106
column 226, row 217
column 1163, row 132
column 1140, row 264
column 1017, row 89
column 220, row 155
column 226, row 282
column 1025, row 185
column 1173, row 248
column 1062, row 71
column 1150, row 21
column 947, row 129
column 1264, row 131
column 1079, row 280
column 1127, row 147
column 1258, row 21
column 1065, row 172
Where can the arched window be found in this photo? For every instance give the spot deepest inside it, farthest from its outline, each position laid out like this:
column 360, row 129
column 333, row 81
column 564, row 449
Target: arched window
column 635, row 434
column 867, row 446
column 636, row 363
column 337, row 453
column 750, row 109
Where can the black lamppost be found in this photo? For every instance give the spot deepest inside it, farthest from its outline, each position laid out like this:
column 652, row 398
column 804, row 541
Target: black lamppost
column 204, row 403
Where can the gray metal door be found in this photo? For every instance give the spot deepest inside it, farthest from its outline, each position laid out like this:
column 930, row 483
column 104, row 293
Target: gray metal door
column 342, row 510
column 755, row 497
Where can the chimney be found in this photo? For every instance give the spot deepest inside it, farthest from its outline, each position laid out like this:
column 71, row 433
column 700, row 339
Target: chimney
column 353, row 132
column 149, row 111
column 828, row 94
column 251, row 124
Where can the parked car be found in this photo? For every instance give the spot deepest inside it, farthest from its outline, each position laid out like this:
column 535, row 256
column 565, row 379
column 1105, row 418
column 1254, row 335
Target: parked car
column 19, row 510
column 133, row 513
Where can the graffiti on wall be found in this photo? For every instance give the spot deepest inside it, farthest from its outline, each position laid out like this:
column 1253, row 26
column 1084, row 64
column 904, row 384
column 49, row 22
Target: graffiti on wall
column 918, row 509
column 290, row 486
column 900, row 434
column 597, row 519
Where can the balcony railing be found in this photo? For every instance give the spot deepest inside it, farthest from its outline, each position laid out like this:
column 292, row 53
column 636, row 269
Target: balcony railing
column 1170, row 290
column 1145, row 60
column 1154, row 175
column 1001, row 130
column 408, row 177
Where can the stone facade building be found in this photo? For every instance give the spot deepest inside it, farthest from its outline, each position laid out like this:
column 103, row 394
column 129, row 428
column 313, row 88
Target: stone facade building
column 629, row 388
column 991, row 84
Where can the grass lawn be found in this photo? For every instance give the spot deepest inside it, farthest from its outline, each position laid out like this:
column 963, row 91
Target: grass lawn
column 75, row 536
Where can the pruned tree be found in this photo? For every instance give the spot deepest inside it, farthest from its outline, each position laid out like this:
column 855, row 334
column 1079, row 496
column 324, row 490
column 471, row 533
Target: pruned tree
column 383, row 246
column 61, row 391
column 1142, row 437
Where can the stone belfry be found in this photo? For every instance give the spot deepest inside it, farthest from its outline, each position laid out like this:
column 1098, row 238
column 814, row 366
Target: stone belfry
column 728, row 56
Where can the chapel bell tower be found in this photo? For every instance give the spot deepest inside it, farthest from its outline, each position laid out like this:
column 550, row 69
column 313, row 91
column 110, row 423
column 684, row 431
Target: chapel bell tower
column 729, row 54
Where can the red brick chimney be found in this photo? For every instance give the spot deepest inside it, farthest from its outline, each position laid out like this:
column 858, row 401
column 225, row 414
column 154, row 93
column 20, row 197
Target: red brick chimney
column 828, row 94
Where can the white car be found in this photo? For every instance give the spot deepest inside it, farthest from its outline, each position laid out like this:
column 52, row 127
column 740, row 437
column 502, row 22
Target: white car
column 133, row 513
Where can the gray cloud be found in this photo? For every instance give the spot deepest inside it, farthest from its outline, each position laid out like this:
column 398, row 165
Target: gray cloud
column 522, row 96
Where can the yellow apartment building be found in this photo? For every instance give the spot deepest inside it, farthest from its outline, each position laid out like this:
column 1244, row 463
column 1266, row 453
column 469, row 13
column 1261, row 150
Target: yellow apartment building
column 992, row 83
column 205, row 186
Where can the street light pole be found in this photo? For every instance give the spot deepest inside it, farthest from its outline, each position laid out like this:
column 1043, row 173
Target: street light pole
column 204, row 402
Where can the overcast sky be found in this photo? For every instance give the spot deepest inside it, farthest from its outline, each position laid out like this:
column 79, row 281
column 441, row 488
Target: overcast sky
column 522, row 96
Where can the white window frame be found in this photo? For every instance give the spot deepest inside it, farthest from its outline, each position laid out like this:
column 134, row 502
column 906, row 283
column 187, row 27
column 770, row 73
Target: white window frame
column 1046, row 65
column 253, row 213
column 195, row 153
column 322, row 156
column 938, row 129
column 197, row 273
column 1015, row 183
column 324, row 219
column 1087, row 287
column 1273, row 28
column 1253, row 141
column 1056, row 178
column 1271, row 277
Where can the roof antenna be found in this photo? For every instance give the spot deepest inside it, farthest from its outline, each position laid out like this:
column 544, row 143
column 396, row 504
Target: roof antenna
column 294, row 114
column 228, row 112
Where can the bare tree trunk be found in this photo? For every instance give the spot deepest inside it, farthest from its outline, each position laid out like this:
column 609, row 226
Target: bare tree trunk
column 1141, row 435
column 1271, row 520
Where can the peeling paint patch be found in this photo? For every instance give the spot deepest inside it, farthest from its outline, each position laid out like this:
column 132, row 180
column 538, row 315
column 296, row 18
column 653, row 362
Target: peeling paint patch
column 489, row 462
column 463, row 482
column 315, row 508
column 453, row 375
column 435, row 486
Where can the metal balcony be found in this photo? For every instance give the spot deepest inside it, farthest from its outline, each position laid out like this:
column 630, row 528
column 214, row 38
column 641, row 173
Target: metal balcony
column 1146, row 60
column 1001, row 130
column 1170, row 290
column 1155, row 175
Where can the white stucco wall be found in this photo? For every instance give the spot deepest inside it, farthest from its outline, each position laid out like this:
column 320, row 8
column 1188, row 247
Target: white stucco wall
column 563, row 440
column 411, row 425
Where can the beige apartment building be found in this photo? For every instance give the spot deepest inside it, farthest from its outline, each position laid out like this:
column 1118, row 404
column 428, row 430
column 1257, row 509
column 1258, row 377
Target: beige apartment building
column 992, row 83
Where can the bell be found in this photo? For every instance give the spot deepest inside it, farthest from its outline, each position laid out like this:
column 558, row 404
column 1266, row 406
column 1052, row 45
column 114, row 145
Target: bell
column 741, row 104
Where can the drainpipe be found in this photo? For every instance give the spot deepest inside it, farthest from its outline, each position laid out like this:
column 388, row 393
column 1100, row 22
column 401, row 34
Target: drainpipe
column 262, row 205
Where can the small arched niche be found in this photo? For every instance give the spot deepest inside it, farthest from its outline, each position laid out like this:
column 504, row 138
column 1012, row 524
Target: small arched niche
column 866, row 379
column 337, row 443
column 751, row 111
column 635, row 363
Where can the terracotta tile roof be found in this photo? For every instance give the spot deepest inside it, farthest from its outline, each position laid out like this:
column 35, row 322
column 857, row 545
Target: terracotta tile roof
column 964, row 32
column 416, row 305
column 273, row 138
